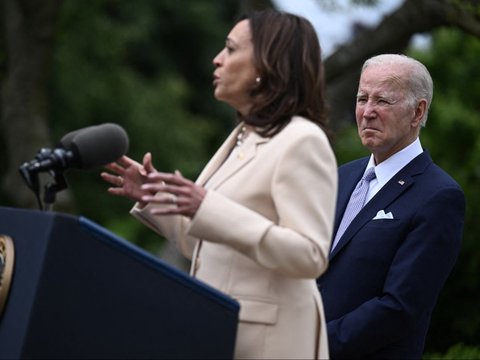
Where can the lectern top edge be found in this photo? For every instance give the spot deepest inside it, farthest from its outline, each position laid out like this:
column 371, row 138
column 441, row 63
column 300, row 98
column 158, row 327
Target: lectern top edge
column 152, row 261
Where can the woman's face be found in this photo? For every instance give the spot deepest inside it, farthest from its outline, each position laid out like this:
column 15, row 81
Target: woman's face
column 235, row 74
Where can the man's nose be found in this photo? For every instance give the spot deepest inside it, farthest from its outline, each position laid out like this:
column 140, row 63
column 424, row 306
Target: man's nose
column 369, row 109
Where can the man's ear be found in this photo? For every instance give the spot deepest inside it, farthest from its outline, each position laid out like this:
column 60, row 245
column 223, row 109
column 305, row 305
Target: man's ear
column 420, row 110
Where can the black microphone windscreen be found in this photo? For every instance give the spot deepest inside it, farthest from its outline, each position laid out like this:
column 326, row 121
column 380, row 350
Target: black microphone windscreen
column 66, row 141
column 97, row 145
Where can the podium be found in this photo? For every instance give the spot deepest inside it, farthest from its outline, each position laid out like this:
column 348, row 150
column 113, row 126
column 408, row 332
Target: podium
column 79, row 291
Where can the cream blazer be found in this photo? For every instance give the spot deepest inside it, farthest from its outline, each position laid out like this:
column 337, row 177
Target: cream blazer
column 262, row 236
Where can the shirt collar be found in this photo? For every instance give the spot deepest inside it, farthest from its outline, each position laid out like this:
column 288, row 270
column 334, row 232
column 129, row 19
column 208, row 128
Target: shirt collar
column 389, row 167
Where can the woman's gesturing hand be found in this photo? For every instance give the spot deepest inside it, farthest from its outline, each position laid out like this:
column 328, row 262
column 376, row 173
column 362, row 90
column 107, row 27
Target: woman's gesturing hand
column 183, row 196
column 128, row 177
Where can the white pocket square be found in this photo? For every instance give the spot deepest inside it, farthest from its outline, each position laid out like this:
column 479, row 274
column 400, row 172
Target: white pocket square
column 381, row 215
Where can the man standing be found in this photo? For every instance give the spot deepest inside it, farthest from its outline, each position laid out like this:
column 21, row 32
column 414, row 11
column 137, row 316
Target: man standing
column 399, row 222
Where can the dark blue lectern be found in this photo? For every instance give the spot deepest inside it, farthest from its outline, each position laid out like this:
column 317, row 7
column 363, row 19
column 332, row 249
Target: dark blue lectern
column 78, row 291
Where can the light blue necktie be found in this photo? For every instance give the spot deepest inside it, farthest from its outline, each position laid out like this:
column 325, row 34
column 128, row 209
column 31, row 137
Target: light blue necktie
column 355, row 204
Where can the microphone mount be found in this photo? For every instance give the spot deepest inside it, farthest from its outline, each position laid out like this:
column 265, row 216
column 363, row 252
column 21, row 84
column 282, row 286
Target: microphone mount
column 84, row 148
column 30, row 173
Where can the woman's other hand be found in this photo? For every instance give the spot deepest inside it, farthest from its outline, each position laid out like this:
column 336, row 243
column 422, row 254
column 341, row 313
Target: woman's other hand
column 182, row 195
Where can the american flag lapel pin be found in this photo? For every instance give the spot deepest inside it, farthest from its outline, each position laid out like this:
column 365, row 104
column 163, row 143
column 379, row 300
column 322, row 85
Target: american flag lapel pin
column 401, row 182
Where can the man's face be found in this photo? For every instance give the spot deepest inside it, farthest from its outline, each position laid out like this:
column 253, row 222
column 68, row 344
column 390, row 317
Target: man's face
column 387, row 122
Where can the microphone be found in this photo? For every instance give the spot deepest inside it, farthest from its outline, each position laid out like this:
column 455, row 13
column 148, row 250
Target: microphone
column 66, row 141
column 84, row 148
column 96, row 145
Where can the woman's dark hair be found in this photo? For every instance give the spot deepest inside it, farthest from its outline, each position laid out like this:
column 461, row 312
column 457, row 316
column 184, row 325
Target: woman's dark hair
column 288, row 58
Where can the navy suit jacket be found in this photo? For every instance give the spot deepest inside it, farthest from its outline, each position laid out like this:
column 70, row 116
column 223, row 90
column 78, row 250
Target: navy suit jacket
column 384, row 276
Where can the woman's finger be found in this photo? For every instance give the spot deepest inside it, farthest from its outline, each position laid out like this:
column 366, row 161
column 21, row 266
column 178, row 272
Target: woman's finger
column 165, row 198
column 115, row 168
column 147, row 164
column 168, row 178
column 108, row 177
column 126, row 161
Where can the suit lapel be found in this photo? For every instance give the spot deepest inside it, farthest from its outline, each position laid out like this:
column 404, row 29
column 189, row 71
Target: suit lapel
column 223, row 165
column 397, row 185
column 218, row 159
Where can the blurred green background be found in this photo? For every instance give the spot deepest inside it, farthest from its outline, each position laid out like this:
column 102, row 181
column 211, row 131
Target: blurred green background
column 147, row 65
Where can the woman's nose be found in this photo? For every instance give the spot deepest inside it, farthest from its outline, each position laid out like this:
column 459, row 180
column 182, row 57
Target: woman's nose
column 217, row 60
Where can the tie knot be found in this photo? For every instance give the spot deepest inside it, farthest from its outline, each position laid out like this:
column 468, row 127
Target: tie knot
column 370, row 174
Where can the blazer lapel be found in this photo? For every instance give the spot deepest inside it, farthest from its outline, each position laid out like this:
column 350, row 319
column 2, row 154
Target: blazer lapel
column 219, row 158
column 398, row 184
column 223, row 165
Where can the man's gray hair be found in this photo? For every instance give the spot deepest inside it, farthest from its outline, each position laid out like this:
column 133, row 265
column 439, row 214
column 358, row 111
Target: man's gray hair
column 419, row 81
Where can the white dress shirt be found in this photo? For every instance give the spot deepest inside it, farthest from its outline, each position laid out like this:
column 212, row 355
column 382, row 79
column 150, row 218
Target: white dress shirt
column 389, row 167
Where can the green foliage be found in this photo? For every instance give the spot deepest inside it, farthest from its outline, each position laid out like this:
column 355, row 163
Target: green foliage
column 458, row 352
column 452, row 137
column 146, row 65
